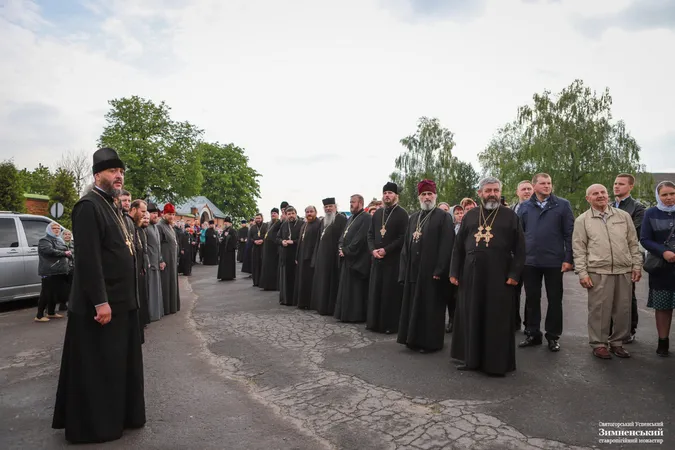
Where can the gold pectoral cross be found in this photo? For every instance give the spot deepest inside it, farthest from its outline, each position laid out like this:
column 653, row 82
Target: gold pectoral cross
column 484, row 233
column 383, row 231
column 417, row 235
column 128, row 243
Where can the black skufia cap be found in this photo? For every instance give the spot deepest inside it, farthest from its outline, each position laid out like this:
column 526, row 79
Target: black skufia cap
column 328, row 201
column 393, row 187
column 106, row 158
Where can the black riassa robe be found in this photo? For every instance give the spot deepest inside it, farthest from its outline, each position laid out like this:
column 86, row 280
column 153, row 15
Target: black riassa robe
column 326, row 266
column 100, row 390
column 422, row 322
column 270, row 265
column 483, row 336
column 384, row 292
column 289, row 231
column 227, row 267
column 170, row 251
column 352, row 296
column 242, row 236
column 185, row 256
column 211, row 247
column 257, row 233
column 304, row 272
column 142, row 264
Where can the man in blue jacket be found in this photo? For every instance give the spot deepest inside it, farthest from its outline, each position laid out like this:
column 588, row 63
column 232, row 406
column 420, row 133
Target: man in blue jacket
column 548, row 223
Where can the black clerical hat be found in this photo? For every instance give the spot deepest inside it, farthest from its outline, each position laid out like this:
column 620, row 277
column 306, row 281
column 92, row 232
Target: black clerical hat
column 275, row 210
column 283, row 205
column 228, row 219
column 390, row 187
column 152, row 207
column 328, row 201
column 244, row 222
column 106, row 158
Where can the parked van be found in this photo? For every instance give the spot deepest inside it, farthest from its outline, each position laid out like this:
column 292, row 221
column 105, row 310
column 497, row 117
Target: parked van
column 19, row 237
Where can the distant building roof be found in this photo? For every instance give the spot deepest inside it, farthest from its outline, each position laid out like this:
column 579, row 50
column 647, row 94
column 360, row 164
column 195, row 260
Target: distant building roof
column 36, row 196
column 199, row 202
column 659, row 177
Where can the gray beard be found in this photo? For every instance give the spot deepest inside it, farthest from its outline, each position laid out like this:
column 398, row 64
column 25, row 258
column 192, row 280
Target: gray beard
column 427, row 206
column 491, row 205
column 328, row 219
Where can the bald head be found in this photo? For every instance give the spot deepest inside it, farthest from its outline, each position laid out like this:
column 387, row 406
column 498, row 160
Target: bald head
column 597, row 196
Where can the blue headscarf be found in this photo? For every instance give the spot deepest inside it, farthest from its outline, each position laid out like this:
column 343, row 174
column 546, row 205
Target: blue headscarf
column 51, row 233
column 660, row 204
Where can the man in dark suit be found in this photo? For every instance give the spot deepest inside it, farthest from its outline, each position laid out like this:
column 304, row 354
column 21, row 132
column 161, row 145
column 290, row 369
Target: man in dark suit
column 623, row 185
column 524, row 192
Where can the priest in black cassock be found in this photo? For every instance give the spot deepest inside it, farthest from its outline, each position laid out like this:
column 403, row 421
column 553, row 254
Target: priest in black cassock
column 487, row 262
column 352, row 296
column 137, row 212
column 211, row 240
column 385, row 240
column 169, row 266
column 304, row 272
column 257, row 236
column 242, row 237
column 100, row 391
column 248, row 247
column 423, row 272
column 288, row 237
column 185, row 239
column 270, row 260
column 326, row 259
column 227, row 267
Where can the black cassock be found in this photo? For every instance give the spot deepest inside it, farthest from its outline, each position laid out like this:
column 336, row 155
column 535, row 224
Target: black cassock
column 142, row 264
column 352, row 296
column 304, row 272
column 484, row 324
column 242, row 235
column 185, row 255
column 270, row 267
column 326, row 266
column 100, row 390
column 422, row 322
column 257, row 233
column 211, row 247
column 384, row 292
column 227, row 267
column 290, row 231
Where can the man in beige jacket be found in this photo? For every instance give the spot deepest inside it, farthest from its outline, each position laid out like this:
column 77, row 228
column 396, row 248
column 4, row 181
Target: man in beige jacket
column 607, row 259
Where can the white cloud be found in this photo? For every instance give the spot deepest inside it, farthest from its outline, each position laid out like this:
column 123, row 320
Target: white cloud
column 319, row 93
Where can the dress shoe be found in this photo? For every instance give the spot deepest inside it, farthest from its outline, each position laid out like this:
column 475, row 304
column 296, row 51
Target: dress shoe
column 530, row 341
column 463, row 367
column 553, row 345
column 630, row 339
column 662, row 349
column 602, row 353
column 620, row 352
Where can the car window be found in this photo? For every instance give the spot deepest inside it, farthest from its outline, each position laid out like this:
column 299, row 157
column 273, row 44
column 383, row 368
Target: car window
column 8, row 236
column 35, row 230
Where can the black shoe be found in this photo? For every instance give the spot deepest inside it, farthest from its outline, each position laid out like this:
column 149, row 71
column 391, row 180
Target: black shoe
column 662, row 349
column 630, row 339
column 530, row 341
column 553, row 345
column 463, row 367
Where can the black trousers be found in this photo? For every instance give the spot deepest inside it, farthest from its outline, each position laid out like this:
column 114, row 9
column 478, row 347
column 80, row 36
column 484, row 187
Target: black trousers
column 452, row 302
column 520, row 321
column 553, row 279
column 53, row 291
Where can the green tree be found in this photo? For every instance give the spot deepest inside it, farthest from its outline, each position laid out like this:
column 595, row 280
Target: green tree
column 570, row 136
column 229, row 181
column 38, row 181
column 428, row 154
column 11, row 189
column 63, row 191
column 162, row 156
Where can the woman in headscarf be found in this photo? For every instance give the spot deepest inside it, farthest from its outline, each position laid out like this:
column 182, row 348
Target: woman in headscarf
column 657, row 236
column 68, row 240
column 53, row 269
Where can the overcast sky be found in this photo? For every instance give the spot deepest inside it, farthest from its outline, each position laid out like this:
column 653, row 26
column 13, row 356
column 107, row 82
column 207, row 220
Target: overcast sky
column 319, row 93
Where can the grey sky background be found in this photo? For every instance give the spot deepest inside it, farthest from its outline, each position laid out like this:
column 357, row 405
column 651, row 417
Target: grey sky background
column 319, row 93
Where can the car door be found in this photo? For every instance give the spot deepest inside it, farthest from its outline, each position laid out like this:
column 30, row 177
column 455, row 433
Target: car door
column 12, row 276
column 34, row 229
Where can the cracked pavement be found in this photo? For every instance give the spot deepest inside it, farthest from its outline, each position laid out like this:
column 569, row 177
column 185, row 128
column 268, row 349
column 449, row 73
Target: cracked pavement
column 234, row 369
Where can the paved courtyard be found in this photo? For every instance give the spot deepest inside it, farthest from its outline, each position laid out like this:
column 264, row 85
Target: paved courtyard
column 234, row 369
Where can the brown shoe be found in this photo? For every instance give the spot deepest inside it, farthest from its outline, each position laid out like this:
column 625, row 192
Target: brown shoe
column 602, row 353
column 620, row 352
column 41, row 319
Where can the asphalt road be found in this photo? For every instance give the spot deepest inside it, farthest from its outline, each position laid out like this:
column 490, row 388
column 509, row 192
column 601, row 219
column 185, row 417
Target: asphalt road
column 235, row 370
